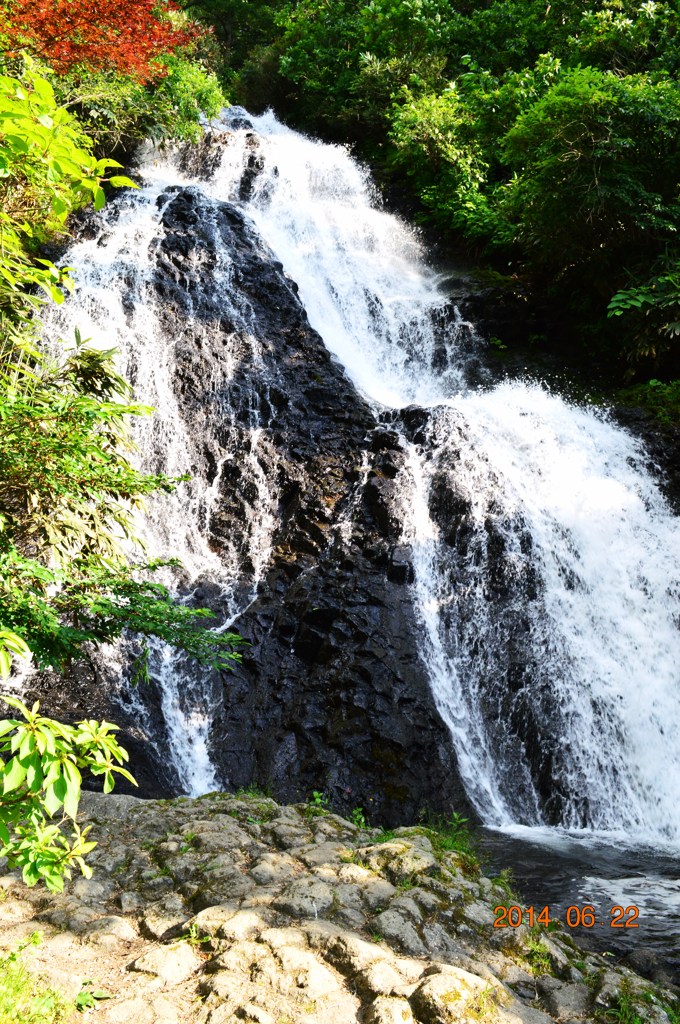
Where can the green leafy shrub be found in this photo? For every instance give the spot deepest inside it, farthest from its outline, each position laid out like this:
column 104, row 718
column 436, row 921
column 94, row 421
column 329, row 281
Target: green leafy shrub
column 661, row 398
column 453, row 834
column 118, row 111
column 595, row 163
column 544, row 137
column 651, row 309
column 358, row 818
column 67, row 487
column 47, row 170
column 67, row 492
column 41, row 762
column 318, row 806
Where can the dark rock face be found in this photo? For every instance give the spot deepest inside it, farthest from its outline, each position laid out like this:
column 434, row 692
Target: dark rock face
column 662, row 446
column 332, row 695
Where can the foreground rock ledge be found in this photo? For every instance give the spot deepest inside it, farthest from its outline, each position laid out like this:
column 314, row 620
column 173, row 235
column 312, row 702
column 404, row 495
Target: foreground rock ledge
column 225, row 909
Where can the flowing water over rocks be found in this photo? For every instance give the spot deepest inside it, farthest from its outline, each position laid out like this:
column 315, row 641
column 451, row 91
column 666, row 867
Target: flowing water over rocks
column 460, row 593
column 290, row 525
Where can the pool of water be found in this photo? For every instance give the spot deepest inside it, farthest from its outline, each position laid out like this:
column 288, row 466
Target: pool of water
column 572, row 870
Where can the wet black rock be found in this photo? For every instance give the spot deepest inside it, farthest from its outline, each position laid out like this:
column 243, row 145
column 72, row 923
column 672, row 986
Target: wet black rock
column 332, row 695
column 661, row 447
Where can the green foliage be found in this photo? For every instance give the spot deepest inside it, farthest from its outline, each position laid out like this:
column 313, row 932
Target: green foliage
column 254, row 791
column 46, row 171
column 652, row 311
column 116, row 110
column 322, row 46
column 63, row 473
column 544, row 136
column 41, row 764
column 434, row 140
column 358, row 818
column 318, row 806
column 628, row 36
column 67, row 492
column 624, row 1009
column 451, row 834
column 23, row 998
column 10, row 645
column 240, row 27
column 65, row 503
column 59, row 611
column 595, row 163
column 538, row 957
column 194, row 938
column 663, row 399
column 186, row 93
column 505, row 882
column 88, row 998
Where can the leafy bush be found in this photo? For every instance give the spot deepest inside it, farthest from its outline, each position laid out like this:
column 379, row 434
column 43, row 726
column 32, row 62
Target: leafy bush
column 67, row 487
column 67, row 492
column 595, row 163
column 652, row 310
column 542, row 136
column 117, row 110
column 40, row 768
column 661, row 398
column 46, row 171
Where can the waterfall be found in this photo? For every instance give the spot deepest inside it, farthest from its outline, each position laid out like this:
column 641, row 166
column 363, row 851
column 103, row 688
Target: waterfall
column 545, row 556
column 117, row 306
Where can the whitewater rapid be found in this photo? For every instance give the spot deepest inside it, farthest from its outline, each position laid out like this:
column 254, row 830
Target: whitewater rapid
column 545, row 556
column 583, row 525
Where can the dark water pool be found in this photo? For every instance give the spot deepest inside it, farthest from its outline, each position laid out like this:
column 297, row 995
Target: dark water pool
column 560, row 870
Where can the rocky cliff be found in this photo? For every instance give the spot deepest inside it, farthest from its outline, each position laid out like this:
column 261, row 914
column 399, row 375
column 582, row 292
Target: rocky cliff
column 332, row 695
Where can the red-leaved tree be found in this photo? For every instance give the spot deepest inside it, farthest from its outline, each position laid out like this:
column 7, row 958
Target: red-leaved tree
column 97, row 34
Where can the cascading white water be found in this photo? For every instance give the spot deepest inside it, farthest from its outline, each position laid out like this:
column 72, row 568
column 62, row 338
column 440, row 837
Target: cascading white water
column 588, row 547
column 545, row 557
column 115, row 306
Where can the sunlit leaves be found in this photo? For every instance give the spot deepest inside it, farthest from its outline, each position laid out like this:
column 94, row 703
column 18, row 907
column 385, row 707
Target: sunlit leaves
column 46, row 171
column 41, row 765
column 10, row 644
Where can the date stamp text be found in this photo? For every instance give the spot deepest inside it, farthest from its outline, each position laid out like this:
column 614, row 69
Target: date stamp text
column 574, row 917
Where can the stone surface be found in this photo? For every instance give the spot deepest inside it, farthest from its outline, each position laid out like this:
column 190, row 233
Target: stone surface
column 388, row 1010
column 293, row 945
column 564, row 1001
column 106, row 931
column 172, row 964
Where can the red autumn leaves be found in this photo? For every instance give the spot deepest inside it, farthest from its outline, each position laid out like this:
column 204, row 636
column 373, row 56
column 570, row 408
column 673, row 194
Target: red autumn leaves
column 128, row 37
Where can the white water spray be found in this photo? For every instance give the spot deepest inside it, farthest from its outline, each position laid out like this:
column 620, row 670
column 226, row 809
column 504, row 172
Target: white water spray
column 115, row 306
column 586, row 611
column 546, row 559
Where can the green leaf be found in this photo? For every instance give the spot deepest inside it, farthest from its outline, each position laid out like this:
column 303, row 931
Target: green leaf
column 119, row 180
column 55, row 795
column 13, row 775
column 72, row 796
